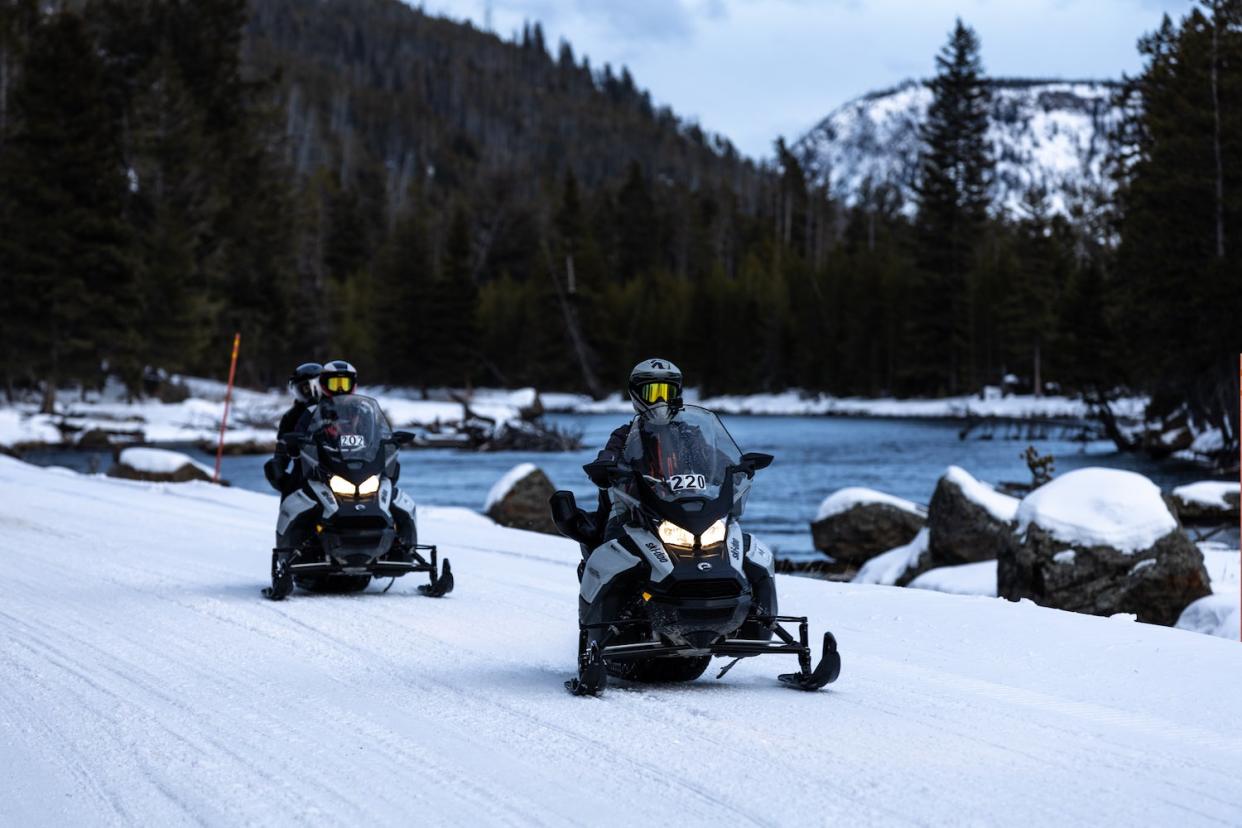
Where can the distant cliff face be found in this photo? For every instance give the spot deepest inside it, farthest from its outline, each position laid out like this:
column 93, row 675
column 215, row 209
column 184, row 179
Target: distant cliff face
column 1050, row 134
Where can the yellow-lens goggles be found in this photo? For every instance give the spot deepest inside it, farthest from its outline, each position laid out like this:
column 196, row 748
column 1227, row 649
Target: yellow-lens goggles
column 339, row 384
column 654, row 392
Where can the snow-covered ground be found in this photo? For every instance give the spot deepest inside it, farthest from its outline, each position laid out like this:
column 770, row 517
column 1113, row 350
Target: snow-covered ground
column 992, row 403
column 145, row 681
column 252, row 417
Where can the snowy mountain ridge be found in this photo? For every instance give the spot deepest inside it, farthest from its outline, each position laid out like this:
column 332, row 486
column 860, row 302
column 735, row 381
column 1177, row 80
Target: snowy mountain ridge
column 1054, row 134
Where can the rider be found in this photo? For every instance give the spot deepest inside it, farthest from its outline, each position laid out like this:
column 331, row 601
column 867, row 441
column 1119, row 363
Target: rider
column 304, row 386
column 655, row 391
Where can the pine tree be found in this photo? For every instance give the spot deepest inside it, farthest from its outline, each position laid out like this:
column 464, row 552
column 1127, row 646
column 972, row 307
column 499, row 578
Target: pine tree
column 65, row 249
column 955, row 167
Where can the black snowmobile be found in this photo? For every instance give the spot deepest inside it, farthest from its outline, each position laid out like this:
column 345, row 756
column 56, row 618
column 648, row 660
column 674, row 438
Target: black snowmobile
column 349, row 522
column 683, row 583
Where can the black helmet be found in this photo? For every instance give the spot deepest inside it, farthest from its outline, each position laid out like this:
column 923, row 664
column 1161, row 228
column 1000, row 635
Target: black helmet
column 302, row 382
column 337, row 377
column 655, row 386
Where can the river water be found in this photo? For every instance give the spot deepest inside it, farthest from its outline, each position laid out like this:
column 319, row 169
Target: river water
column 814, row 457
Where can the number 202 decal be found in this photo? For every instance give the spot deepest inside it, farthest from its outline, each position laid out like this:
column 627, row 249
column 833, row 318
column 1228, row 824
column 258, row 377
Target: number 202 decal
column 353, row 441
column 682, row 482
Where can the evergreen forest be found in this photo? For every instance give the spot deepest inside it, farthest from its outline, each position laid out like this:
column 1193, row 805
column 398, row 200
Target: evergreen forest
column 445, row 206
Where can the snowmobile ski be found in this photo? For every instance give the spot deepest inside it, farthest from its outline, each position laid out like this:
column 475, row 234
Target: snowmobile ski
column 592, row 673
column 825, row 672
column 441, row 584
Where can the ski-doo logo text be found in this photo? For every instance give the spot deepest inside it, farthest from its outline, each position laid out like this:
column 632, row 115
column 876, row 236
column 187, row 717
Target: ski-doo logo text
column 659, row 553
column 353, row 441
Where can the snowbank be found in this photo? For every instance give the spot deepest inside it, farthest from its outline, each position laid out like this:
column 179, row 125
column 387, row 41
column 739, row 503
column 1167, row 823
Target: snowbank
column 845, row 499
column 1099, row 507
column 1208, row 493
column 798, row 403
column 156, row 687
column 159, row 461
column 965, row 579
column 505, row 484
column 17, row 427
column 886, row 568
column 1000, row 506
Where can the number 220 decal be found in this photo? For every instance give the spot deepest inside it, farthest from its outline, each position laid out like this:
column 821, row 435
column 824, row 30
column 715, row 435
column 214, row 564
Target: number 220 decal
column 683, row 482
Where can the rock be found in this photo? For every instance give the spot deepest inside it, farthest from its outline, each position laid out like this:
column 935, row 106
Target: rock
column 856, row 524
column 158, row 466
column 1102, row 541
column 520, row 500
column 969, row 521
column 1208, row 502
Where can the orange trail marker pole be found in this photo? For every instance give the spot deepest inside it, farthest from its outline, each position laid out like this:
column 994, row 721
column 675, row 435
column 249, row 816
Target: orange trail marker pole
column 228, row 398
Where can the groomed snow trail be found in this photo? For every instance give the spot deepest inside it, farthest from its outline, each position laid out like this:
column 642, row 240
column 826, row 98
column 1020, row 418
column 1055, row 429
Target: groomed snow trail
column 143, row 680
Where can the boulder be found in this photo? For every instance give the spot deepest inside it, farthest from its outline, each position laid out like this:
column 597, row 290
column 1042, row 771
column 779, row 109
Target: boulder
column 1208, row 501
column 520, row 500
column 1102, row 541
column 158, row 466
column 969, row 521
column 856, row 524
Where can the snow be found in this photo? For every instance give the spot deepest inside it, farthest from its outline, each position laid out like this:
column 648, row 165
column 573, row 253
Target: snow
column 505, row 484
column 842, row 500
column 159, row 461
column 964, row 579
column 18, row 427
column 989, row 403
column 252, row 417
column 1209, row 493
column 1000, row 506
column 1065, row 556
column 1099, row 507
column 1217, row 614
column 884, row 569
column 146, row 682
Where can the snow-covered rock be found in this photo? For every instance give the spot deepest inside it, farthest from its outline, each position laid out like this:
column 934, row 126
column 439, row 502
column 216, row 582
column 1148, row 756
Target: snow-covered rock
column 1129, row 554
column 519, row 500
column 1051, row 134
column 1208, row 501
column 855, row 524
column 159, row 465
column 969, row 520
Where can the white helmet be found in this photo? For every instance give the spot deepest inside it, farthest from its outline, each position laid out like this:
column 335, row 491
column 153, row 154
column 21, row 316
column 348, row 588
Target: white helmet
column 655, row 387
column 303, row 383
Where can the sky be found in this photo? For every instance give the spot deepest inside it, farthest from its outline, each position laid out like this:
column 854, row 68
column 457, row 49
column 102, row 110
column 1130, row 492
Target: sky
column 753, row 70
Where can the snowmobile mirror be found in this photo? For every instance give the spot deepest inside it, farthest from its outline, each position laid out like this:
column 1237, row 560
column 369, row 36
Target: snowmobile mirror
column 571, row 521
column 403, row 438
column 753, row 461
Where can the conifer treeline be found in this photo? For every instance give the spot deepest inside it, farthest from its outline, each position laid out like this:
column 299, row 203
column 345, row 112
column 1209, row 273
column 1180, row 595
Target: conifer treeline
column 442, row 206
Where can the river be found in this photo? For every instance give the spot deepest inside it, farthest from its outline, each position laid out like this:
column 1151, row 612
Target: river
column 814, row 457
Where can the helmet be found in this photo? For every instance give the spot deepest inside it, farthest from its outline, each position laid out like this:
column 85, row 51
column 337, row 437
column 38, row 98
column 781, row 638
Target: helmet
column 655, row 387
column 337, row 377
column 302, row 382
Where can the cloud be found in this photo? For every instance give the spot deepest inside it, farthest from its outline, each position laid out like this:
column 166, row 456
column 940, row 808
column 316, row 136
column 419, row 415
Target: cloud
column 659, row 20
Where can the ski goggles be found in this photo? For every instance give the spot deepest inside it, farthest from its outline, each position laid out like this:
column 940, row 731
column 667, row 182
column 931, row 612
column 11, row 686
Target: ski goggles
column 342, row 384
column 654, row 392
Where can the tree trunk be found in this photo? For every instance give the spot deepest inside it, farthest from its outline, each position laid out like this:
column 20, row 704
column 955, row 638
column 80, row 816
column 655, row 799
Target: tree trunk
column 1220, row 175
column 570, row 315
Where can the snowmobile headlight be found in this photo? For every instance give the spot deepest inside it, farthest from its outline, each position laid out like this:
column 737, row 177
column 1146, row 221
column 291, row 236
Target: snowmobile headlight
column 369, row 486
column 674, row 535
column 715, row 534
column 341, row 486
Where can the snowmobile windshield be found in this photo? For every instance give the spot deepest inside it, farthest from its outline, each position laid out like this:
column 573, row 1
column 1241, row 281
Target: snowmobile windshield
column 689, row 456
column 353, row 425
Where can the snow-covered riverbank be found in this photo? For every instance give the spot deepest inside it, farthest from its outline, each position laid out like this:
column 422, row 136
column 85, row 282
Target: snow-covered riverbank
column 110, row 417
column 145, row 681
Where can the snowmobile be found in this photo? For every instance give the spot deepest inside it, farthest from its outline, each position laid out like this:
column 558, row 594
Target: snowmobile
column 683, row 583
column 349, row 523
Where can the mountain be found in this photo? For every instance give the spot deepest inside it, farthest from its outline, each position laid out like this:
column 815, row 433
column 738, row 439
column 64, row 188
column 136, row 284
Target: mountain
column 1045, row 133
